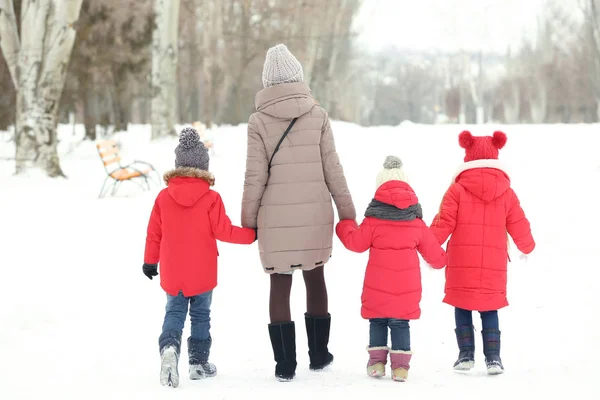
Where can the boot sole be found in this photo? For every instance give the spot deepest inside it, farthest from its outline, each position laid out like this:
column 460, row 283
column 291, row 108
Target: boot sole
column 169, row 375
column 197, row 377
column 464, row 366
column 376, row 370
column 320, row 367
column 284, row 378
column 375, row 374
column 495, row 370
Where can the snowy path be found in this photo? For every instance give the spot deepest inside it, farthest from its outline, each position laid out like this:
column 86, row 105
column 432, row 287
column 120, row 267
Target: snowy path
column 79, row 320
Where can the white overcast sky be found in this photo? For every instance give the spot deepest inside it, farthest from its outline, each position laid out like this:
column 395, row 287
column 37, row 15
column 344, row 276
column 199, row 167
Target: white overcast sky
column 447, row 24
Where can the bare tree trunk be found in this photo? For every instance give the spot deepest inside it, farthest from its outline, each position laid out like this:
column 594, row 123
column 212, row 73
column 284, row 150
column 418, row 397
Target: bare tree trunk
column 539, row 102
column 39, row 73
column 9, row 38
column 90, row 107
column 593, row 21
column 212, row 30
column 512, row 106
column 476, row 85
column 164, row 68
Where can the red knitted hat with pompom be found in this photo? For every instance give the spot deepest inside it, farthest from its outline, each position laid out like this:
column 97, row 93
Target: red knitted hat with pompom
column 481, row 147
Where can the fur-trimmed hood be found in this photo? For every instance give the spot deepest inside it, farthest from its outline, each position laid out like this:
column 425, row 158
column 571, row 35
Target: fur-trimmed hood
column 188, row 172
column 188, row 185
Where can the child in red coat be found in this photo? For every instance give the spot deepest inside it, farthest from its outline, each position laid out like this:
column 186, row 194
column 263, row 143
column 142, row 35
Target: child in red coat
column 478, row 211
column 393, row 231
column 186, row 221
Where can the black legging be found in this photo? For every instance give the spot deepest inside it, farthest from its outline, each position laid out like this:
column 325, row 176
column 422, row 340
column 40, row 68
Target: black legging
column 316, row 295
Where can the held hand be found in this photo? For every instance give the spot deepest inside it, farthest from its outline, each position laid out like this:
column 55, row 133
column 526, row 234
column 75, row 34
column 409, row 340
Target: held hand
column 150, row 270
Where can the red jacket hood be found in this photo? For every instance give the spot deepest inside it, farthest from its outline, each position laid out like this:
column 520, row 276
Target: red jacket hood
column 187, row 191
column 188, row 185
column 396, row 193
column 486, row 184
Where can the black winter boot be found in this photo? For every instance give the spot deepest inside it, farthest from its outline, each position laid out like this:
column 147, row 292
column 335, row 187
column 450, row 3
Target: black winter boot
column 283, row 340
column 317, row 331
column 491, row 350
column 198, row 352
column 466, row 345
column 169, row 345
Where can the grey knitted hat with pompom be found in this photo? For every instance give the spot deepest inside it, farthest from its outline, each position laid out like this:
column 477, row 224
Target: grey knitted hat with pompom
column 191, row 152
column 392, row 171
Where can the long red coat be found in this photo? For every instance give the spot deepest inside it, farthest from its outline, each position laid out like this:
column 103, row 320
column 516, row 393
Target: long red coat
column 478, row 210
column 186, row 221
column 392, row 285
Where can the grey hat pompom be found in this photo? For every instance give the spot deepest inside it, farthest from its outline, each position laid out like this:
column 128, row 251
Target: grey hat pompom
column 189, row 138
column 191, row 152
column 392, row 162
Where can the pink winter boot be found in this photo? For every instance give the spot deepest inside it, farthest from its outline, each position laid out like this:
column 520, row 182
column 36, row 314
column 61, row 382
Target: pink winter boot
column 377, row 361
column 400, row 361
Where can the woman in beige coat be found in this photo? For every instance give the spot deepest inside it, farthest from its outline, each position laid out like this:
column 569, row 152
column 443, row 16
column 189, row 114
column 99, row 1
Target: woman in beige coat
column 292, row 172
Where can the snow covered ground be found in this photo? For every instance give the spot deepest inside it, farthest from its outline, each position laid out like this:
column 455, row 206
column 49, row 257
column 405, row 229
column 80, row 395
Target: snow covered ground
column 79, row 320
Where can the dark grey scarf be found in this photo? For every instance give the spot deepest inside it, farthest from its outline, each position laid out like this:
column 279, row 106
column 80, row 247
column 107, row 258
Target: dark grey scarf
column 380, row 210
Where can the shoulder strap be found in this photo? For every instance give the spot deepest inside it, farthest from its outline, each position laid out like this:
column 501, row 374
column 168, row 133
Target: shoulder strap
column 289, row 128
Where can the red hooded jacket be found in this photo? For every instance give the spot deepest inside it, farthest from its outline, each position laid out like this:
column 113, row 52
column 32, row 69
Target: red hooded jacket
column 393, row 231
column 186, row 221
column 478, row 210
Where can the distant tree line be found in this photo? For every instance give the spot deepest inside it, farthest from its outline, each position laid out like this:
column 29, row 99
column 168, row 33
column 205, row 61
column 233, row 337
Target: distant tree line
column 107, row 78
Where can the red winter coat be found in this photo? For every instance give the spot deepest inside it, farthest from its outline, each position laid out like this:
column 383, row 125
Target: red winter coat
column 186, row 221
column 393, row 231
column 478, row 210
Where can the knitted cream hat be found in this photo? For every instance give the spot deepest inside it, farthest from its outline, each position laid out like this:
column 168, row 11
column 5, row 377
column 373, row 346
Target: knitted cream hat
column 281, row 67
column 392, row 171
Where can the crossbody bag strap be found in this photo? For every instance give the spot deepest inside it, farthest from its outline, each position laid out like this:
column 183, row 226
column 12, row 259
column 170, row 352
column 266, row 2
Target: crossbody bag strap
column 289, row 128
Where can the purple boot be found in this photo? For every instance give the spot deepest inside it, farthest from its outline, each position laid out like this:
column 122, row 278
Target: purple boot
column 377, row 361
column 400, row 361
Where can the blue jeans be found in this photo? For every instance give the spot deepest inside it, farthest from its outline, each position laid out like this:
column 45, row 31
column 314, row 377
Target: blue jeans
column 399, row 331
column 489, row 319
column 176, row 313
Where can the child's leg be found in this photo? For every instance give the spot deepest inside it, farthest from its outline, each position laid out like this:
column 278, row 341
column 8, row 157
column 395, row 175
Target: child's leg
column 200, row 340
column 463, row 317
column 491, row 341
column 378, row 332
column 465, row 338
column 378, row 349
column 489, row 320
column 200, row 316
column 170, row 340
column 400, row 355
column 175, row 314
column 400, row 332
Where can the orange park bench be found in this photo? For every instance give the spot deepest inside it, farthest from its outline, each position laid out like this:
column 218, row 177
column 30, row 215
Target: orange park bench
column 137, row 172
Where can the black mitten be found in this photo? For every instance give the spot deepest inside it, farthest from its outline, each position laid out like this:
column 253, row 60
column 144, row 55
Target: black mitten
column 150, row 270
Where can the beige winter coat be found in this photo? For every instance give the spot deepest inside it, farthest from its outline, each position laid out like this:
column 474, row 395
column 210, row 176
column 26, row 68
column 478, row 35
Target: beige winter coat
column 292, row 207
